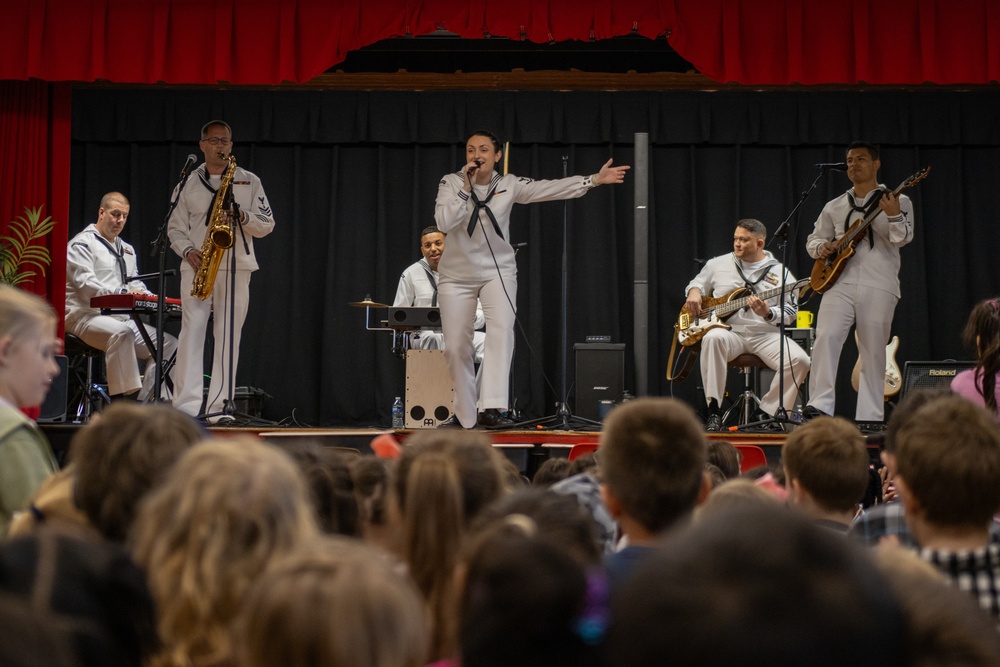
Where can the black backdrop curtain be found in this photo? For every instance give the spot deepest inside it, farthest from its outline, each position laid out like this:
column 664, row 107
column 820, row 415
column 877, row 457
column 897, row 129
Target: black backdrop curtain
column 352, row 178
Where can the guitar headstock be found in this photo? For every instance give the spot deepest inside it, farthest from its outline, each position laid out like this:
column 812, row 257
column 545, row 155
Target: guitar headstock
column 914, row 178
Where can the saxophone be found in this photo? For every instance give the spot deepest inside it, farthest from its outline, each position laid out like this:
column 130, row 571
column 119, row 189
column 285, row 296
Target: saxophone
column 218, row 237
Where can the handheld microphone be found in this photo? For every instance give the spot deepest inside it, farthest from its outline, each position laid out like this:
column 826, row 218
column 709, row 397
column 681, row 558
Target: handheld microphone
column 833, row 166
column 191, row 160
column 472, row 170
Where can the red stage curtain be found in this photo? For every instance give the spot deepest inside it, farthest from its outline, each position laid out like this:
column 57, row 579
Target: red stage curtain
column 34, row 163
column 270, row 41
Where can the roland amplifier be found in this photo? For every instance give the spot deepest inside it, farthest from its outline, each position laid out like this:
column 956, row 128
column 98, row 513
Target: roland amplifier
column 929, row 374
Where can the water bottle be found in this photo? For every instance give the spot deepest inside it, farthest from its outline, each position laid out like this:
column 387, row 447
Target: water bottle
column 397, row 414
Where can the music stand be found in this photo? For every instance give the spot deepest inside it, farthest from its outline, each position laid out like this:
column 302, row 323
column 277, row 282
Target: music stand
column 780, row 416
column 563, row 419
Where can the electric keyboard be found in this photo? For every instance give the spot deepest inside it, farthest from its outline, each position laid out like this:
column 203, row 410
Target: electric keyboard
column 133, row 303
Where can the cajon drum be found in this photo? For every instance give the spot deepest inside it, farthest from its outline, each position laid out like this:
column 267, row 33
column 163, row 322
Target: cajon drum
column 429, row 391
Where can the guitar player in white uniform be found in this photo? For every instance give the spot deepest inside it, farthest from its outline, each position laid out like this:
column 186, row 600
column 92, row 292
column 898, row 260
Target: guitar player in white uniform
column 753, row 330
column 866, row 292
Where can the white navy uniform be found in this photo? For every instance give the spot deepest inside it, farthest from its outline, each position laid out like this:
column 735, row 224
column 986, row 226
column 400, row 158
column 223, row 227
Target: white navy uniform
column 186, row 229
column 750, row 332
column 469, row 272
column 97, row 267
column 866, row 293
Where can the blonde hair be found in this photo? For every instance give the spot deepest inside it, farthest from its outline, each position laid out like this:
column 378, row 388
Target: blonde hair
column 227, row 509
column 335, row 602
column 20, row 311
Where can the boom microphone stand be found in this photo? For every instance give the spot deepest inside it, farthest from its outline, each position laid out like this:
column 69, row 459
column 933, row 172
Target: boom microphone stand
column 563, row 419
column 780, row 416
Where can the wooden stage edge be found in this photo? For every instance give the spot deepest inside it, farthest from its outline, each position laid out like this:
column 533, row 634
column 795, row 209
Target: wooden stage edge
column 526, row 448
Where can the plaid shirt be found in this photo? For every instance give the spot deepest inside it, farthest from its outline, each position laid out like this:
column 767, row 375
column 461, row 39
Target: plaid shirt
column 882, row 520
column 977, row 572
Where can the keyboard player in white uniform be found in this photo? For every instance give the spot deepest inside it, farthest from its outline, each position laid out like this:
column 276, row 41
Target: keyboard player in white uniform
column 418, row 288
column 99, row 262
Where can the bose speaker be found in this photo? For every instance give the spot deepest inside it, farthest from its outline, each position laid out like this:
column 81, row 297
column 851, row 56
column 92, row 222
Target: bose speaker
column 929, row 374
column 600, row 376
column 54, row 407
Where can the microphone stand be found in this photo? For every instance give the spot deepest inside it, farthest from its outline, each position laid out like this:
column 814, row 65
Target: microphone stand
column 780, row 415
column 160, row 249
column 563, row 419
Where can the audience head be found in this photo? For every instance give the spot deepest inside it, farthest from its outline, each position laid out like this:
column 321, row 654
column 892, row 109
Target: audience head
column 732, row 494
column 328, row 476
column 123, row 455
column 371, row 475
column 227, row 509
column 27, row 347
column 89, row 593
column 653, row 456
column 552, row 471
column 948, row 464
column 982, row 336
column 826, row 464
column 726, row 457
column 753, row 582
column 334, row 602
column 526, row 599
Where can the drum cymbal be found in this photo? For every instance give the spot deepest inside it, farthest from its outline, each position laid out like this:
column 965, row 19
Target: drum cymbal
column 367, row 303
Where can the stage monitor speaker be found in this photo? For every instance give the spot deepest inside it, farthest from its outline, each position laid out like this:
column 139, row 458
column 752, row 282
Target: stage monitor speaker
column 600, row 376
column 54, row 406
column 429, row 391
column 929, row 374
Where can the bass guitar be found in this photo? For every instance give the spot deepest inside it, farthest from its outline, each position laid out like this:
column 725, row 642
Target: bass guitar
column 826, row 271
column 893, row 382
column 691, row 327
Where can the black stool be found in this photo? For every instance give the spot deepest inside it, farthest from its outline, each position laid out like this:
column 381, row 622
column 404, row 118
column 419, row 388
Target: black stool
column 87, row 396
column 747, row 404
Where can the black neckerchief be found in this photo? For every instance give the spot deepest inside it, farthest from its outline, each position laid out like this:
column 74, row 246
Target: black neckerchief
column 118, row 252
column 483, row 205
column 203, row 178
column 430, row 277
column 763, row 272
column 862, row 209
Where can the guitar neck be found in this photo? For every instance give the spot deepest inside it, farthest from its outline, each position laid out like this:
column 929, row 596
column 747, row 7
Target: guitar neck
column 871, row 212
column 742, row 302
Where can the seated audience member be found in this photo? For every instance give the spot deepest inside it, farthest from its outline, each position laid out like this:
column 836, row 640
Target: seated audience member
column 826, row 471
column 889, row 518
column 944, row 626
column 89, row 592
column 731, row 494
column 513, row 478
column 334, row 602
column 225, row 512
column 653, row 455
column 54, row 506
column 27, row 366
column 982, row 336
column 527, row 600
column 715, row 474
column 756, row 585
column 120, row 457
column 553, row 470
column 371, row 475
column 331, row 485
column 726, row 457
column 442, row 480
column 948, row 475
column 585, row 486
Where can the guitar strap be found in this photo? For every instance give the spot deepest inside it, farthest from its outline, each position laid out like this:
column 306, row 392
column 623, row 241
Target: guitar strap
column 674, row 375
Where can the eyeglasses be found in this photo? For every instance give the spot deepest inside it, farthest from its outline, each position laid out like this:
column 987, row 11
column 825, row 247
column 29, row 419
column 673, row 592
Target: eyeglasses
column 215, row 141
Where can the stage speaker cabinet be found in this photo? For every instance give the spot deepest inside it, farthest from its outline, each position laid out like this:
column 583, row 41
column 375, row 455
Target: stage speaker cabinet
column 600, row 376
column 54, row 407
column 429, row 391
column 930, row 374
column 805, row 339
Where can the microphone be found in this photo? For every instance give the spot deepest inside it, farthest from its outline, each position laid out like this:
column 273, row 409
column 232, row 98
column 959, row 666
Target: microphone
column 472, row 170
column 191, row 159
column 833, row 166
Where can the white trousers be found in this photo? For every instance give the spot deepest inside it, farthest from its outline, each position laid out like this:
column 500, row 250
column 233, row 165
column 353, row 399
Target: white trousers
column 189, row 374
column 123, row 347
column 720, row 346
column 872, row 311
column 458, row 311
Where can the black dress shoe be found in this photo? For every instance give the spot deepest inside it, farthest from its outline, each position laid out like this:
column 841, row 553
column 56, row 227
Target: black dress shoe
column 451, row 422
column 714, row 423
column 809, row 412
column 493, row 418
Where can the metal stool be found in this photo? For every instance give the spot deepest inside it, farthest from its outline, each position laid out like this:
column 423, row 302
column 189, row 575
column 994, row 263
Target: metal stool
column 88, row 396
column 747, row 403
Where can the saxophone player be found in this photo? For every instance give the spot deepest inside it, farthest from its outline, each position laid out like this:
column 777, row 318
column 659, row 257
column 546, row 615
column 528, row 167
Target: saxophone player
column 187, row 230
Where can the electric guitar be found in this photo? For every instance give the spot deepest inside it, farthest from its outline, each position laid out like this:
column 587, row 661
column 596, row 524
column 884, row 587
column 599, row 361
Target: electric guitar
column 893, row 378
column 715, row 311
column 826, row 271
